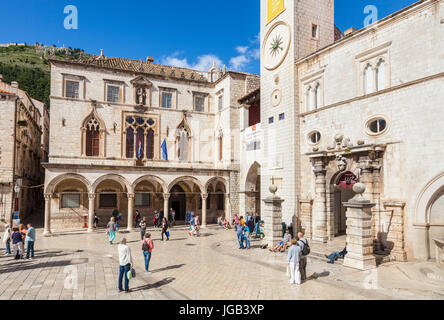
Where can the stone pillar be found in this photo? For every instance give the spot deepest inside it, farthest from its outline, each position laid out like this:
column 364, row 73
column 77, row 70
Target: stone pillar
column 166, row 199
column 47, row 229
column 394, row 211
column 204, row 209
column 227, row 207
column 359, row 231
column 306, row 216
column 273, row 218
column 92, row 200
column 130, row 211
column 320, row 204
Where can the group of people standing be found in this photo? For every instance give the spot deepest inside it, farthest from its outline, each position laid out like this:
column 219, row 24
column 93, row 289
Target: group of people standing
column 19, row 237
column 297, row 259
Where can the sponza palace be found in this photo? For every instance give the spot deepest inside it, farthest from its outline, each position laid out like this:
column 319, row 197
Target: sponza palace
column 329, row 110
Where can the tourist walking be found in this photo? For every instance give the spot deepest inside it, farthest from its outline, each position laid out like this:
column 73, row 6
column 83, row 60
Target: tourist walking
column 247, row 234
column 7, row 239
column 142, row 227
column 30, row 241
column 126, row 263
column 165, row 230
column 240, row 236
column 293, row 258
column 17, row 243
column 305, row 251
column 147, row 249
column 111, row 230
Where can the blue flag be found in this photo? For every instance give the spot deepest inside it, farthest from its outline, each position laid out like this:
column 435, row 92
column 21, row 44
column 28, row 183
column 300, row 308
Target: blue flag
column 164, row 150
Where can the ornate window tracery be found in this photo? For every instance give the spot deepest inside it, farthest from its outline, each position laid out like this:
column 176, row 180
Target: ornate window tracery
column 141, row 137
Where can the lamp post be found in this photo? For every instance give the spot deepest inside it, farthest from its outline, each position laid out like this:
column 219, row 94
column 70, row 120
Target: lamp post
column 17, row 188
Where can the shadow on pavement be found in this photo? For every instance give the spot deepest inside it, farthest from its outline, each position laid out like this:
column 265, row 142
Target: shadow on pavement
column 168, row 268
column 316, row 275
column 22, row 265
column 157, row 284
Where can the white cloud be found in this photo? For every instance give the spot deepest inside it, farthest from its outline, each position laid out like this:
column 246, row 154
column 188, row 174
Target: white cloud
column 239, row 62
column 242, row 50
column 203, row 62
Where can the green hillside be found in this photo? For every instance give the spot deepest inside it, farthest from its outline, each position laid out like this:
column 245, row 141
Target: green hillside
column 28, row 66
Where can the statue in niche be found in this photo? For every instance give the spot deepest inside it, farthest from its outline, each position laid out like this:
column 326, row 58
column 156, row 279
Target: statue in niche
column 182, row 136
column 141, row 96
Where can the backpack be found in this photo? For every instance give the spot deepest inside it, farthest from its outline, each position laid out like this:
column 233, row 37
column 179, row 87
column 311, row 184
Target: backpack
column 145, row 246
column 306, row 250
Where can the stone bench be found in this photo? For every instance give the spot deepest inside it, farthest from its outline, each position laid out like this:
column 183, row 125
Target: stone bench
column 439, row 247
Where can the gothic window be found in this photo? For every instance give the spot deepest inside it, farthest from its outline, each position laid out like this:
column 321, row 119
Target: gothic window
column 150, row 144
column 183, row 137
column 369, row 80
column 140, row 137
column 130, row 143
column 92, row 136
column 380, row 75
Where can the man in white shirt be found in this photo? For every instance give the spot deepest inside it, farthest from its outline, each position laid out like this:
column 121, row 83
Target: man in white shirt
column 126, row 263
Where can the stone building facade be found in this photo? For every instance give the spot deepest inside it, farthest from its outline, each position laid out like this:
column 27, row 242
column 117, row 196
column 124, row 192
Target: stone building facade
column 112, row 121
column 24, row 125
column 364, row 107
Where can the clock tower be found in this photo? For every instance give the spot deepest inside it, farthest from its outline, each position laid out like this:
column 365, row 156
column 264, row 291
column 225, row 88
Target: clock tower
column 290, row 30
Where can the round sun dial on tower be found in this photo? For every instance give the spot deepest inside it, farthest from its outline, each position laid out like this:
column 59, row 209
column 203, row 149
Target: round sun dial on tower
column 276, row 45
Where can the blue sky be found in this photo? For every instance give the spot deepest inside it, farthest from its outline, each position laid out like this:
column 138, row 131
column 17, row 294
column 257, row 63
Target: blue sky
column 184, row 33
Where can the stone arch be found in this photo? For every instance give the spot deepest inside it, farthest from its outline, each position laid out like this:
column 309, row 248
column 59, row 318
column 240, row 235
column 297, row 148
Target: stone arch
column 55, row 181
column 429, row 194
column 187, row 178
column 215, row 180
column 115, row 177
column 425, row 199
column 150, row 178
column 252, row 189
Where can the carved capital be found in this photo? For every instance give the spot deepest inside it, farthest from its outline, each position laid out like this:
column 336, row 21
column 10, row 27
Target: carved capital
column 204, row 196
column 166, row 196
column 130, row 196
column 91, row 196
column 48, row 196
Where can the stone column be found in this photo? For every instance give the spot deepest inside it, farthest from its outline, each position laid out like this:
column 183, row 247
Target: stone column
column 166, row 199
column 394, row 211
column 47, row 229
column 306, row 217
column 320, row 204
column 359, row 231
column 204, row 209
column 273, row 218
column 365, row 164
column 92, row 200
column 130, row 211
column 227, row 207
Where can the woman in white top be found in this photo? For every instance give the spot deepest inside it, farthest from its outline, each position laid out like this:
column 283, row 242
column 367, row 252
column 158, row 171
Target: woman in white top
column 293, row 257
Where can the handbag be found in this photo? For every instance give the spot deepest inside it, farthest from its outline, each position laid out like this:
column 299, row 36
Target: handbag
column 168, row 233
column 131, row 274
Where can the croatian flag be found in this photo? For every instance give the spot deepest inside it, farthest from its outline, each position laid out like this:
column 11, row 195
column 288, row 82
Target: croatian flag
column 164, row 150
column 139, row 153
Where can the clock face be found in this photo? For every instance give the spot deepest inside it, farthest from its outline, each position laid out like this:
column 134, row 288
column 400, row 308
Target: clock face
column 276, row 45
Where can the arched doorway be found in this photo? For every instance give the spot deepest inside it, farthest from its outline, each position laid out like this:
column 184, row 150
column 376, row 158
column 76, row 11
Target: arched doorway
column 148, row 196
column 436, row 221
column 343, row 192
column 178, row 202
column 253, row 189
